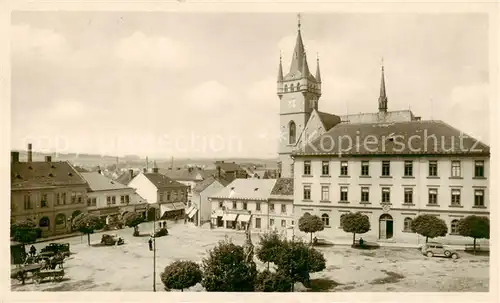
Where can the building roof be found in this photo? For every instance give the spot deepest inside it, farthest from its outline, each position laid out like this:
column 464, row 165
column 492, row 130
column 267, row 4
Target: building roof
column 201, row 186
column 25, row 175
column 283, row 187
column 125, row 177
column 98, row 182
column 227, row 166
column 398, row 138
column 247, row 189
column 329, row 120
column 186, row 174
column 162, row 181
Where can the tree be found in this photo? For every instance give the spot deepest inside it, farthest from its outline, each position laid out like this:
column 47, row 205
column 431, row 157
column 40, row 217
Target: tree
column 355, row 223
column 272, row 281
column 24, row 232
column 429, row 226
column 226, row 269
column 75, row 213
column 270, row 245
column 297, row 260
column 133, row 219
column 181, row 275
column 310, row 224
column 476, row 227
column 86, row 224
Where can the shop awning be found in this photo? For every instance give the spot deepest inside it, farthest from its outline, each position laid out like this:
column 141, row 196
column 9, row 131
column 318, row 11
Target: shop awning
column 243, row 218
column 217, row 213
column 229, row 217
column 192, row 213
column 179, row 205
column 190, row 209
column 167, row 207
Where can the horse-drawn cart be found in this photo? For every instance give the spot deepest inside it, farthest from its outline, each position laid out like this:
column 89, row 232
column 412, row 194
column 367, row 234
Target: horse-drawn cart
column 39, row 268
column 55, row 274
column 22, row 272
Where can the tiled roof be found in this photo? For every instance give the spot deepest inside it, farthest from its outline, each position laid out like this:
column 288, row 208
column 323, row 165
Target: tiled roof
column 228, row 166
column 162, row 181
column 98, row 182
column 201, row 186
column 329, row 120
column 283, row 187
column 183, row 174
column 43, row 174
column 398, row 138
column 125, row 178
column 247, row 189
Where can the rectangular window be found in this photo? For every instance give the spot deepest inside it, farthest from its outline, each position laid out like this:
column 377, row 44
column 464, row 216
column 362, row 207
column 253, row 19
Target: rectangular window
column 79, row 197
column 271, row 222
column 386, row 195
column 245, row 205
column 43, row 201
column 307, row 192
column 307, row 168
column 271, row 207
column 283, row 223
column 122, row 199
column 257, row 206
column 325, row 168
column 408, row 168
column 455, row 197
column 433, row 196
column 408, row 199
column 89, row 202
column 365, row 168
column 221, row 204
column 127, row 199
column 344, row 171
column 27, row 202
column 168, row 196
column 73, row 198
column 407, row 225
column 365, row 195
column 479, row 169
column 283, row 208
column 113, row 200
column 58, row 199
column 257, row 222
column 479, row 197
column 386, row 168
column 234, row 205
column 108, row 199
column 433, row 168
column 94, row 201
column 456, row 169
column 325, row 193
column 63, row 198
column 344, row 194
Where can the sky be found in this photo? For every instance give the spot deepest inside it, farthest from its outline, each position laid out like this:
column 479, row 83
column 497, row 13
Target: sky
column 204, row 85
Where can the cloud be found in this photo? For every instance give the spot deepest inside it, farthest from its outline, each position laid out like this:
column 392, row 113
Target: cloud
column 152, row 51
column 42, row 43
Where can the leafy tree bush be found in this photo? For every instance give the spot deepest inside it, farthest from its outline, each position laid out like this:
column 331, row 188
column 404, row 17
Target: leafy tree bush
column 225, row 269
column 272, row 282
column 270, row 246
column 297, row 260
column 429, row 226
column 75, row 213
column 87, row 223
column 181, row 275
column 310, row 224
column 24, row 232
column 355, row 223
column 476, row 227
column 133, row 219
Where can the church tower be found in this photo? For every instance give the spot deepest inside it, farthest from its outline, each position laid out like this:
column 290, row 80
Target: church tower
column 299, row 92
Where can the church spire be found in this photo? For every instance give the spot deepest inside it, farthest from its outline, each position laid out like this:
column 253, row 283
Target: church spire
column 298, row 52
column 382, row 99
column 280, row 70
column 305, row 67
column 318, row 73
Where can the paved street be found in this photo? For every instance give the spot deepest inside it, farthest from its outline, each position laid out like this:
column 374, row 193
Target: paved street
column 129, row 267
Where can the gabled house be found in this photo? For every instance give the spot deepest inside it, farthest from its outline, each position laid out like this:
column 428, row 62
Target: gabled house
column 200, row 209
column 167, row 196
column 230, row 170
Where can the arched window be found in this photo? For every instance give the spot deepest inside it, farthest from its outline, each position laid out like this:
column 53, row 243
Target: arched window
column 291, row 132
column 44, row 222
column 298, row 86
column 306, row 214
column 454, row 227
column 407, row 224
column 61, row 220
column 326, row 219
column 291, row 87
column 286, row 88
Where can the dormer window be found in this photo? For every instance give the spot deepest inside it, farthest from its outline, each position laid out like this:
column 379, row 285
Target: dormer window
column 70, row 174
column 51, row 175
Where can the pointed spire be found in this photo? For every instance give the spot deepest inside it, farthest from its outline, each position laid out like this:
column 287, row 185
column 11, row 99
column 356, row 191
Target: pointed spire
column 318, row 73
column 382, row 99
column 305, row 67
column 298, row 52
column 280, row 70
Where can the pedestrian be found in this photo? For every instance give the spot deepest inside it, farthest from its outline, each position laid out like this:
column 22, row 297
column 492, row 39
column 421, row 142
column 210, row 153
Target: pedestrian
column 150, row 242
column 164, row 224
column 361, row 242
column 32, row 250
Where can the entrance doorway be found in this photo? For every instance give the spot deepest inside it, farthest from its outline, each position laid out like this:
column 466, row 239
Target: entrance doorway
column 220, row 223
column 386, row 227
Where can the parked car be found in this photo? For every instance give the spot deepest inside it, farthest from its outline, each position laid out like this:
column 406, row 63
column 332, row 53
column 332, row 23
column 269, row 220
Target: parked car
column 111, row 240
column 54, row 248
column 432, row 249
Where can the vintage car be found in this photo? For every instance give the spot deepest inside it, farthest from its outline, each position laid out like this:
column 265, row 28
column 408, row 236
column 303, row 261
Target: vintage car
column 112, row 239
column 432, row 249
column 54, row 248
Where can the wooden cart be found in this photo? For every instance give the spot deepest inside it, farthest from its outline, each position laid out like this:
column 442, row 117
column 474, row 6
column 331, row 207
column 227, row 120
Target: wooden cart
column 53, row 274
column 22, row 272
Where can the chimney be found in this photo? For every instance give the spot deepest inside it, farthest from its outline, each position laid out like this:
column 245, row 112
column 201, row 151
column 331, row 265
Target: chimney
column 48, row 159
column 30, row 153
column 131, row 172
column 145, row 170
column 14, row 156
column 218, row 171
column 99, row 170
column 155, row 170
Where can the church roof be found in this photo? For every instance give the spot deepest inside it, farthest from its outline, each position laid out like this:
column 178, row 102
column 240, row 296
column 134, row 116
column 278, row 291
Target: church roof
column 398, row 138
column 329, row 120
